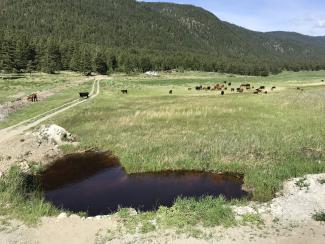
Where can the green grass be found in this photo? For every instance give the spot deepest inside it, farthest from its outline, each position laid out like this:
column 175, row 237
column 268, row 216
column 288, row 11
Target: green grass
column 185, row 216
column 261, row 136
column 21, row 199
column 24, row 84
column 63, row 86
column 319, row 216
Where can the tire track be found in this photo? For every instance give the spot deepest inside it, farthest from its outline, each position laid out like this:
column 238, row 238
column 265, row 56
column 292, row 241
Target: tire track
column 12, row 131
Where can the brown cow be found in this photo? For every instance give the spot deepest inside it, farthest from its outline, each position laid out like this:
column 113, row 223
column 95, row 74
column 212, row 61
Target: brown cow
column 32, row 97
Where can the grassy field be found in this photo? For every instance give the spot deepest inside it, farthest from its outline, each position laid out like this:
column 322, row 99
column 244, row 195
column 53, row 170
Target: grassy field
column 64, row 88
column 16, row 85
column 269, row 138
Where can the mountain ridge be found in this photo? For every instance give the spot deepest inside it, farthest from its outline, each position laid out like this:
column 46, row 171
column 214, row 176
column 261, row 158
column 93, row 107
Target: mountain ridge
column 167, row 35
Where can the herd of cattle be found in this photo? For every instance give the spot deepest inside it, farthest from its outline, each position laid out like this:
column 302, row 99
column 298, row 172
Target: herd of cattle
column 223, row 87
column 227, row 86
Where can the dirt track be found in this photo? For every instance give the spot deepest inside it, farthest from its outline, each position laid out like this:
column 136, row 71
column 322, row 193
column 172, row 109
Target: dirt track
column 12, row 131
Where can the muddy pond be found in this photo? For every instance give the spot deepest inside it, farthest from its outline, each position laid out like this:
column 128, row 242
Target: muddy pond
column 97, row 184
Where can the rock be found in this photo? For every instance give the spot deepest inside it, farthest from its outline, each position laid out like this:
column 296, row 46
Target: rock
column 62, row 216
column 74, row 216
column 55, row 134
column 24, row 166
column 242, row 210
column 152, row 73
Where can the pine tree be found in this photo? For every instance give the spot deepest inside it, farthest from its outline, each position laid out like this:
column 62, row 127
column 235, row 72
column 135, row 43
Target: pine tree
column 86, row 62
column 8, row 56
column 100, row 64
column 52, row 59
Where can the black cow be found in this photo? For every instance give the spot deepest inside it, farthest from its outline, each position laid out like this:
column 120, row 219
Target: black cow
column 171, row 92
column 222, row 93
column 229, row 84
column 124, row 91
column 84, row 94
column 262, row 87
column 198, row 88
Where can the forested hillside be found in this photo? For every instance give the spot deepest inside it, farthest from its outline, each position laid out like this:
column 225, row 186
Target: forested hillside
column 101, row 35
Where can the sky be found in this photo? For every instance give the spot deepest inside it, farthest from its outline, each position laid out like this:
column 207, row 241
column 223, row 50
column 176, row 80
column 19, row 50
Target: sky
column 303, row 16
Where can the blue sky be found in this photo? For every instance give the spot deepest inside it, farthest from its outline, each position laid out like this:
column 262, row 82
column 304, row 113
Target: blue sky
column 303, row 16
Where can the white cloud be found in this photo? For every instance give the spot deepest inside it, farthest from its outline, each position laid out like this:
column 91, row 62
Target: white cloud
column 321, row 23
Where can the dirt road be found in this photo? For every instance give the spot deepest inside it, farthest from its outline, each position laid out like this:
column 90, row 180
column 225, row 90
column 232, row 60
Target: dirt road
column 12, row 131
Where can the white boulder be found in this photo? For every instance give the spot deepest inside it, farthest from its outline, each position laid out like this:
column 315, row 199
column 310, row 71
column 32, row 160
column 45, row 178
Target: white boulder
column 55, row 134
column 152, row 73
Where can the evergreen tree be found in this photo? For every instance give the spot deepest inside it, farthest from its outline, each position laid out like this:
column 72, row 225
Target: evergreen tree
column 86, row 62
column 52, row 59
column 8, row 56
column 100, row 64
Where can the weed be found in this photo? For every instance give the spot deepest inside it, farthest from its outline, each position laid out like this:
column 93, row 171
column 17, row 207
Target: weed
column 21, row 199
column 252, row 219
column 319, row 216
column 321, row 181
column 301, row 183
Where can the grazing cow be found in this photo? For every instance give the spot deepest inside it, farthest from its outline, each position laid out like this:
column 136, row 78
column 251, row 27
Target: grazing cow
column 322, row 80
column 222, row 93
column 84, row 94
column 259, row 90
column 262, row 87
column 245, row 86
column 240, row 90
column 225, row 82
column 298, row 88
column 232, row 89
column 256, row 92
column 273, row 88
column 124, row 91
column 171, row 92
column 209, row 88
column 226, row 88
column 265, row 92
column 198, row 88
column 229, row 84
column 32, row 97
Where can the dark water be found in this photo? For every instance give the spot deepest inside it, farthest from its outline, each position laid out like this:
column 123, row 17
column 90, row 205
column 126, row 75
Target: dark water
column 96, row 183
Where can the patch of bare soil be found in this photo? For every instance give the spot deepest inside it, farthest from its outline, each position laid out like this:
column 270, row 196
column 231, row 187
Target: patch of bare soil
column 20, row 102
column 41, row 146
